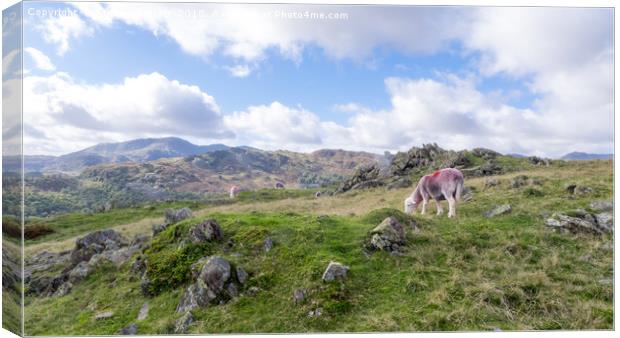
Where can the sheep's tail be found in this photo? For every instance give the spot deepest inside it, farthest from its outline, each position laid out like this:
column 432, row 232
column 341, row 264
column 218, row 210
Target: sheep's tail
column 459, row 190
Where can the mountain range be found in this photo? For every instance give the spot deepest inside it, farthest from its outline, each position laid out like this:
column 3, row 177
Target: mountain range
column 151, row 149
column 586, row 156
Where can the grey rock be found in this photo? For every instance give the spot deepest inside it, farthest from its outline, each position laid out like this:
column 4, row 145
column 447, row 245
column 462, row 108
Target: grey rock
column 267, row 244
column 242, row 276
column 299, row 295
column 600, row 205
column 79, row 272
column 104, row 315
column 606, row 281
column 182, row 324
column 388, row 235
column 144, row 311
column 158, row 228
column 130, row 330
column 94, row 243
column 214, row 284
column 206, row 231
column 232, row 289
column 499, row 210
column 565, row 223
column 605, row 221
column 335, row 271
column 174, row 216
column 63, row 289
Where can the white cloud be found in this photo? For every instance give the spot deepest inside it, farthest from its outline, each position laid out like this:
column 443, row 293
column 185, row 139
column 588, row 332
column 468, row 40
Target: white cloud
column 245, row 32
column 275, row 126
column 239, row 70
column 71, row 115
column 60, row 29
column 41, row 60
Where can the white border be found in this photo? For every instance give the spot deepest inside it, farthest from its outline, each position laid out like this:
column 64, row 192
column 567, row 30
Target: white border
column 536, row 3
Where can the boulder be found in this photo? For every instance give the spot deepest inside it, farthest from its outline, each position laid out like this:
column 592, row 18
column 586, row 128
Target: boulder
column 299, row 295
column 335, row 271
column 605, row 221
column 130, row 330
column 104, row 315
column 172, row 216
column 388, row 236
column 535, row 160
column 499, row 210
column 94, row 243
column 578, row 223
column 486, row 154
column 242, row 276
column 206, row 231
column 182, row 324
column 600, row 206
column 214, row 284
column 144, row 311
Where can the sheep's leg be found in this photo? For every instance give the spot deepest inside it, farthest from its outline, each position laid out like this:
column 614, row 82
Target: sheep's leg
column 439, row 208
column 452, row 206
column 424, row 203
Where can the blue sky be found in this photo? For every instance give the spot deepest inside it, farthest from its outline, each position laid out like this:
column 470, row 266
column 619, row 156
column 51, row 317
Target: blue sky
column 384, row 78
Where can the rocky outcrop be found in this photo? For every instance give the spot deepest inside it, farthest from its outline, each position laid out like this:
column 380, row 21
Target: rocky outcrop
column 581, row 221
column 335, row 271
column 216, row 282
column 388, row 236
column 90, row 251
column 95, row 243
column 499, row 210
column 364, row 177
column 535, row 160
column 207, row 231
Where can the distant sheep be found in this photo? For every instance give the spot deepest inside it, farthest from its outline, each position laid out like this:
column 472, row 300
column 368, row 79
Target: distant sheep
column 279, row 185
column 317, row 194
column 233, row 191
column 443, row 184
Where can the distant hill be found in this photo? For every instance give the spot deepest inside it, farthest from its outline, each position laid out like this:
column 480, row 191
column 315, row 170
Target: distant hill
column 586, row 156
column 139, row 150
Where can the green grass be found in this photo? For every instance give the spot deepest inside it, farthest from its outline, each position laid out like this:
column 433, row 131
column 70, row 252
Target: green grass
column 468, row 273
column 266, row 195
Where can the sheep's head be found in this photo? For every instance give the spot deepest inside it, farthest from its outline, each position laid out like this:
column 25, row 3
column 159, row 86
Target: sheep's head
column 410, row 205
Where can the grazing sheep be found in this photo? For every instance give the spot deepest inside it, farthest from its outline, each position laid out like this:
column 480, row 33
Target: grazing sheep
column 279, row 185
column 233, row 191
column 317, row 194
column 442, row 184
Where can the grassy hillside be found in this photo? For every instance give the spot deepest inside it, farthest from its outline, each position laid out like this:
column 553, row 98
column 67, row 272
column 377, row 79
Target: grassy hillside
column 470, row 273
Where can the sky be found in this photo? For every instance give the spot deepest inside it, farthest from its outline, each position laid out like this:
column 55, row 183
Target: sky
column 534, row 81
